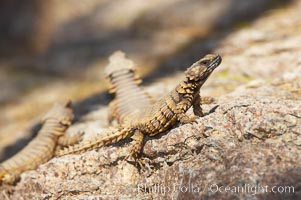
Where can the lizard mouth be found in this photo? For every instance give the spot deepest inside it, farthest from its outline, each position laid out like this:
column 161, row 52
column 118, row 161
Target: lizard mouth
column 216, row 61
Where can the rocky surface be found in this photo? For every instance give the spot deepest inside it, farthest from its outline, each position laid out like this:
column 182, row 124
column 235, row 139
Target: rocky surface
column 250, row 136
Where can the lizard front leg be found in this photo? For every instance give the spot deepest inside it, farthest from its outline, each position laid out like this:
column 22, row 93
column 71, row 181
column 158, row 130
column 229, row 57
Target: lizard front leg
column 180, row 112
column 196, row 105
column 198, row 102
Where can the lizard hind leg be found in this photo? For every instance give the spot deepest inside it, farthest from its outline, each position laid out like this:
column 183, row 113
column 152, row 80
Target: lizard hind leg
column 136, row 149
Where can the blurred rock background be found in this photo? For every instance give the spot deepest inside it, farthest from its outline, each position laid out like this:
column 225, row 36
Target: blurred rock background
column 56, row 50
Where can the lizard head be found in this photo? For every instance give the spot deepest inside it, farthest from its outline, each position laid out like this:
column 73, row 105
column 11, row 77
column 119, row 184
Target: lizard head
column 60, row 112
column 118, row 62
column 201, row 69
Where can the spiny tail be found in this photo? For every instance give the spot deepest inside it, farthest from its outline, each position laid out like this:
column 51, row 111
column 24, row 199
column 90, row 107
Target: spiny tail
column 112, row 137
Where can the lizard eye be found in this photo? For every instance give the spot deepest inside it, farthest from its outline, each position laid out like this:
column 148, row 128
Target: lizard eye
column 205, row 62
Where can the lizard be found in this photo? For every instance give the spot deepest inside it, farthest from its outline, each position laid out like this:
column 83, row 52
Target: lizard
column 129, row 97
column 42, row 147
column 164, row 113
column 124, row 81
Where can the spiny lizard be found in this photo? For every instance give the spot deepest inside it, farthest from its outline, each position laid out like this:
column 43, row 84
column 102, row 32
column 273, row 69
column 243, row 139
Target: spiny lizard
column 124, row 80
column 164, row 113
column 42, row 147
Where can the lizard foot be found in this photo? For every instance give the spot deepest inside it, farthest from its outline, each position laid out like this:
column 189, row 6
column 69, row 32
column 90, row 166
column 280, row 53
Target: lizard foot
column 185, row 119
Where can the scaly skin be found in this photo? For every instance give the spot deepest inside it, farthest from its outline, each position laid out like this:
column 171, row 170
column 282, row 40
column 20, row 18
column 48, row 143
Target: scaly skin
column 165, row 113
column 41, row 148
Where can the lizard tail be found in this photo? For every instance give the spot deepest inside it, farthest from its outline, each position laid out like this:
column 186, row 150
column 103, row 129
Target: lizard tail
column 111, row 137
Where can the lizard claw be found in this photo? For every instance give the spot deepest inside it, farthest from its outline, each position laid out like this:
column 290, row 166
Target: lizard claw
column 137, row 162
column 132, row 159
